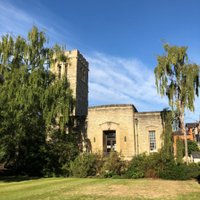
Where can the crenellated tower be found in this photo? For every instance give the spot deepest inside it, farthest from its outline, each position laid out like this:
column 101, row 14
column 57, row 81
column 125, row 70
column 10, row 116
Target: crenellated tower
column 76, row 71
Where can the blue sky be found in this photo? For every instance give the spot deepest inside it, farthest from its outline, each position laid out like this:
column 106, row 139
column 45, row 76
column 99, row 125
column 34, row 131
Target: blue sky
column 119, row 38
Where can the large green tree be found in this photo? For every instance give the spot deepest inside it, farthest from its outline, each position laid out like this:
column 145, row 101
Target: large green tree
column 179, row 81
column 32, row 100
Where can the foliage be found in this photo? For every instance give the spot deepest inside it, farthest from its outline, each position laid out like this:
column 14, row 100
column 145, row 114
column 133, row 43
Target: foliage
column 167, row 121
column 192, row 146
column 175, row 172
column 179, row 151
column 194, row 170
column 148, row 166
column 32, row 100
column 157, row 166
column 178, row 80
column 85, row 165
column 1, row 79
column 112, row 165
column 95, row 165
column 180, row 171
column 137, row 167
column 60, row 150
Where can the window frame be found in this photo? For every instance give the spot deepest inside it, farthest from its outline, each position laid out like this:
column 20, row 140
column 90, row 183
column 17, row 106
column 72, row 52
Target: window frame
column 152, row 141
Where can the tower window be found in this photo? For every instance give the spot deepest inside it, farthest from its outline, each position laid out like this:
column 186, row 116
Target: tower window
column 59, row 71
column 84, row 75
column 124, row 138
column 66, row 68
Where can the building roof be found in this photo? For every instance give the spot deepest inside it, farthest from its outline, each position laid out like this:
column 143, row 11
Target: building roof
column 192, row 125
column 114, row 105
column 146, row 112
column 196, row 154
column 179, row 133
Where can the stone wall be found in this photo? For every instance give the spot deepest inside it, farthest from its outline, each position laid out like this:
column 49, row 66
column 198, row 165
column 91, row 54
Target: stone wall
column 112, row 117
column 76, row 71
column 132, row 129
column 148, row 121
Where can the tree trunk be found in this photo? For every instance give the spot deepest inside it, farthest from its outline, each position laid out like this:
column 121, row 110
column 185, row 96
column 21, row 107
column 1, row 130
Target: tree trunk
column 183, row 131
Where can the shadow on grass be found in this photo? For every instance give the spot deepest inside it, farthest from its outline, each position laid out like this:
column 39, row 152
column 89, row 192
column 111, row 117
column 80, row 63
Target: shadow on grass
column 198, row 178
column 10, row 176
column 17, row 178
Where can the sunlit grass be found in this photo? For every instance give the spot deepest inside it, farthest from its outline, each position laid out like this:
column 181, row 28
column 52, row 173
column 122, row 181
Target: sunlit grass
column 87, row 189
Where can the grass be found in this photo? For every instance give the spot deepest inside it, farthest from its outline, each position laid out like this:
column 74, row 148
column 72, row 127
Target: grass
column 92, row 189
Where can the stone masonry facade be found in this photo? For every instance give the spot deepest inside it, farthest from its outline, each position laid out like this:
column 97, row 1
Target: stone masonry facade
column 76, row 71
column 133, row 130
column 108, row 128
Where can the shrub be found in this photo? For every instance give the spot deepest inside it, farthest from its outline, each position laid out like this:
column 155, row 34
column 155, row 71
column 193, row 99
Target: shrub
column 194, row 170
column 85, row 165
column 148, row 166
column 112, row 165
column 192, row 146
column 179, row 150
column 175, row 172
column 137, row 167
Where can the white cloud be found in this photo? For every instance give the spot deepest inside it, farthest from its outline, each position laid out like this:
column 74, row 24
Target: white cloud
column 119, row 80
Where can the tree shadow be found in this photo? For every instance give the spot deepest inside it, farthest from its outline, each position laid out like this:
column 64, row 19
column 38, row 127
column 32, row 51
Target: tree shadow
column 12, row 176
column 17, row 178
column 198, row 178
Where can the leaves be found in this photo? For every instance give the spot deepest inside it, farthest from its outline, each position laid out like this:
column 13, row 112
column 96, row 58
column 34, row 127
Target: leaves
column 176, row 78
column 31, row 98
column 179, row 81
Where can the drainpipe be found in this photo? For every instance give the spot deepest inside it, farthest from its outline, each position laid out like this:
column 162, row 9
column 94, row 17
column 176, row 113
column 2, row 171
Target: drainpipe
column 136, row 120
column 136, row 137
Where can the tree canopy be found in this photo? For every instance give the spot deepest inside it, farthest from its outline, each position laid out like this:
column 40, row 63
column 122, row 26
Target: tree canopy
column 178, row 79
column 32, row 99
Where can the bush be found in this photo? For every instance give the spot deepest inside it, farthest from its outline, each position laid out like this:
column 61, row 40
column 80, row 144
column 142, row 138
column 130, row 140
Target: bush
column 85, row 165
column 148, row 166
column 137, row 167
column 156, row 165
column 194, row 170
column 112, row 165
column 175, row 171
column 179, row 150
column 192, row 146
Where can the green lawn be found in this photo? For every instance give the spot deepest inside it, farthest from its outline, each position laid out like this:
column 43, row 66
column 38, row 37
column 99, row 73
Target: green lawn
column 75, row 189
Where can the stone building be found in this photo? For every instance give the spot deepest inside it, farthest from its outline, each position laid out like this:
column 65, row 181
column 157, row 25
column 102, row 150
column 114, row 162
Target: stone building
column 109, row 127
column 76, row 71
column 123, row 129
